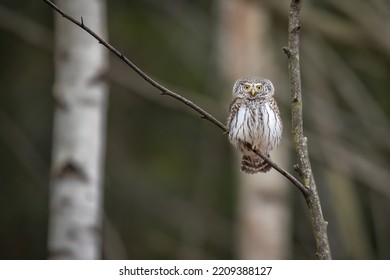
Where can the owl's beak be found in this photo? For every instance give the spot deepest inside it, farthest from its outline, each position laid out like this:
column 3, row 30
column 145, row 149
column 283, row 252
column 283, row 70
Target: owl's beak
column 253, row 91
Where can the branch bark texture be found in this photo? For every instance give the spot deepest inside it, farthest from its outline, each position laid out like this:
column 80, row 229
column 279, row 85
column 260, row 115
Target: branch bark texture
column 300, row 141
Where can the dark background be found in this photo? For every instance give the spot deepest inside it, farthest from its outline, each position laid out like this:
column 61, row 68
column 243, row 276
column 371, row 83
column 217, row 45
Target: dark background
column 164, row 165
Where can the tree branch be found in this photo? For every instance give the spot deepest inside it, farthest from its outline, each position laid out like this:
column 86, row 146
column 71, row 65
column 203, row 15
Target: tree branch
column 305, row 191
column 161, row 88
column 300, row 141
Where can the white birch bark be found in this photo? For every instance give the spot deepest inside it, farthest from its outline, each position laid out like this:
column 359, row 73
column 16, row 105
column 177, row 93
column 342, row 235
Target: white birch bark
column 245, row 48
column 80, row 93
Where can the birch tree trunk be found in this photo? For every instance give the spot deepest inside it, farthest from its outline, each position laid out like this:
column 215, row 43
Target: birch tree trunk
column 80, row 93
column 263, row 210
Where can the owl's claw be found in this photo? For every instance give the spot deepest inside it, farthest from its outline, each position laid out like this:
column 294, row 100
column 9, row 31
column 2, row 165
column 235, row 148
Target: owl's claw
column 254, row 148
column 250, row 147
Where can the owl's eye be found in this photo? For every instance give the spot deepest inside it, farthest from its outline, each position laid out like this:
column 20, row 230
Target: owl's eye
column 259, row 87
column 246, row 87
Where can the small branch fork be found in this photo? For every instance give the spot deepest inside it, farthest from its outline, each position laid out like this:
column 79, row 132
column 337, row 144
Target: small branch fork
column 308, row 189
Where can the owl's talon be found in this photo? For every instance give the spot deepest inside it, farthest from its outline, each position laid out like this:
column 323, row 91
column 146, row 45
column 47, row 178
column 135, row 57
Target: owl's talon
column 248, row 145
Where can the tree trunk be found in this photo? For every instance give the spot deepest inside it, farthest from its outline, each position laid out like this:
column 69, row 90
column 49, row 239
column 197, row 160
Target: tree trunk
column 80, row 94
column 263, row 212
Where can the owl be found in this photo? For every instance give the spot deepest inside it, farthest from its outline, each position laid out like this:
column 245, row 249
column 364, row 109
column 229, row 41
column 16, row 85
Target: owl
column 254, row 119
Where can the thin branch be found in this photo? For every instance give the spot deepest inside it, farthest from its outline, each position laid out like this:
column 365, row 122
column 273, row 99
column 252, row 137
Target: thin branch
column 165, row 91
column 39, row 36
column 305, row 191
column 300, row 141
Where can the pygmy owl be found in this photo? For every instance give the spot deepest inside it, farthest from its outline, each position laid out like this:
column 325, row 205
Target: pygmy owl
column 254, row 119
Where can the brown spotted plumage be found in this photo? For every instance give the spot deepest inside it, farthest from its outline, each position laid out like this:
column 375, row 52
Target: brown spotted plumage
column 254, row 119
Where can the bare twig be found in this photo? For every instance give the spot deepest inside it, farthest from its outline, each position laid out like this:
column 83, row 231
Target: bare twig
column 164, row 90
column 300, row 141
column 305, row 191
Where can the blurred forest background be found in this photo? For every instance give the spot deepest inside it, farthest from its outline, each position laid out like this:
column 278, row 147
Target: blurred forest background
column 171, row 180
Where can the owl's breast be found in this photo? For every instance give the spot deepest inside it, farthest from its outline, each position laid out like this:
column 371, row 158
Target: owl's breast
column 243, row 125
column 268, row 127
column 258, row 125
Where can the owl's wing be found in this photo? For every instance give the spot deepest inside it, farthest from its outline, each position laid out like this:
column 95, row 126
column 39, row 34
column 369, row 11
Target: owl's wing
column 274, row 106
column 233, row 109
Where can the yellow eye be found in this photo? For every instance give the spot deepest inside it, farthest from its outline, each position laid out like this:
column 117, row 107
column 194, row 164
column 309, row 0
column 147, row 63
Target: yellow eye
column 259, row 87
column 246, row 87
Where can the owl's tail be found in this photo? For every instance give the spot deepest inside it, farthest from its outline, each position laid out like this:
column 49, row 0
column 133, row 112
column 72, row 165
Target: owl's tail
column 254, row 164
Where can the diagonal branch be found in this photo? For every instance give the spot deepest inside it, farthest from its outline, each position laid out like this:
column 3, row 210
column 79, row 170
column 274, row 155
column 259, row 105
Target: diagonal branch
column 166, row 91
column 300, row 141
column 305, row 191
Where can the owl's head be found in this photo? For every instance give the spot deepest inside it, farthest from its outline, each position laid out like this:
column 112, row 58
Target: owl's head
column 253, row 88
